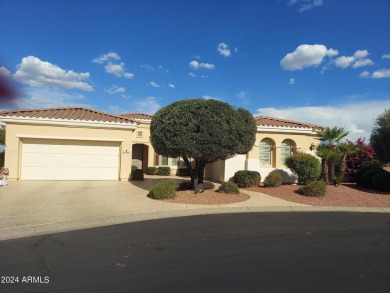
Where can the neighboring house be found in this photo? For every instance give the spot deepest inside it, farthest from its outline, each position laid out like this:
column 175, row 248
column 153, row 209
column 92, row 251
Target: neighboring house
column 77, row 143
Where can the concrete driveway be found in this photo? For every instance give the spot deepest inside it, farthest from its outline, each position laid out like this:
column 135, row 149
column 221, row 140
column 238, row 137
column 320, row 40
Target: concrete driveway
column 39, row 207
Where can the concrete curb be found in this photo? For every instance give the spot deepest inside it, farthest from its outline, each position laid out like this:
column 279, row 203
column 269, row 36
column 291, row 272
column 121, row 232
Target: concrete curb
column 57, row 227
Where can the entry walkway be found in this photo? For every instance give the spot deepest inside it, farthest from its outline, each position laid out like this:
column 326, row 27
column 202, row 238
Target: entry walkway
column 30, row 208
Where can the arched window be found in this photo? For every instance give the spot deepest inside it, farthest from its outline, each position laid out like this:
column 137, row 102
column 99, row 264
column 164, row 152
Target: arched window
column 286, row 150
column 265, row 152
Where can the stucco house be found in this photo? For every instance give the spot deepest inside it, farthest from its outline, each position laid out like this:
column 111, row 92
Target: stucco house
column 77, row 143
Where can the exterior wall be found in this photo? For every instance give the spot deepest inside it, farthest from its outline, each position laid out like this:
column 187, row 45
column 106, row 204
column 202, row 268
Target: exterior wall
column 16, row 132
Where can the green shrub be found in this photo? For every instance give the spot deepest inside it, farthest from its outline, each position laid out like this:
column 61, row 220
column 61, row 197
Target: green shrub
column 229, row 187
column 138, row 175
column 273, row 179
column 244, row 178
column 381, row 181
column 2, row 158
column 185, row 185
column 366, row 178
column 183, row 172
column 314, row 188
column 164, row 189
column 305, row 166
column 363, row 170
column 164, row 171
column 151, row 170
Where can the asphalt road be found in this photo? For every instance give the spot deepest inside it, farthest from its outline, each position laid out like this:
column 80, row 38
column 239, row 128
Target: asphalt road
column 249, row 252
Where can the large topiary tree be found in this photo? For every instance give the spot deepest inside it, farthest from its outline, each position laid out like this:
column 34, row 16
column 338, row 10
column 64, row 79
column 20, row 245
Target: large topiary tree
column 203, row 131
column 380, row 137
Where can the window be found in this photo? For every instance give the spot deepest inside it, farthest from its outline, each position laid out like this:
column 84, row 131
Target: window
column 175, row 161
column 265, row 152
column 285, row 151
column 164, row 160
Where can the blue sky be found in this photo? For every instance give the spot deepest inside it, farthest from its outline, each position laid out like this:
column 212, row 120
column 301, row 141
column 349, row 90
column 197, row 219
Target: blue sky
column 320, row 61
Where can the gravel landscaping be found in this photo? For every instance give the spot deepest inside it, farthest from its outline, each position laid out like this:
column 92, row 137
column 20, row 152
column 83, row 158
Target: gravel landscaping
column 208, row 197
column 347, row 195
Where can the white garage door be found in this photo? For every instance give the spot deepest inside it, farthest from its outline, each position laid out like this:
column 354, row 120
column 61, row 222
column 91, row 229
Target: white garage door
column 69, row 160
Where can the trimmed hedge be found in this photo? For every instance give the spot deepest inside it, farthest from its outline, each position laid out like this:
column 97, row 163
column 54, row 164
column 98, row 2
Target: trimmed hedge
column 185, row 185
column 245, row 178
column 306, row 166
column 313, row 189
column 381, row 181
column 229, row 187
column 366, row 181
column 273, row 180
column 363, row 170
column 183, row 172
column 151, row 170
column 164, row 171
column 137, row 175
column 164, row 189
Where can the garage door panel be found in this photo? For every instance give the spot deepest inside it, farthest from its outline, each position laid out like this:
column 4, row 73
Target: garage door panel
column 69, row 160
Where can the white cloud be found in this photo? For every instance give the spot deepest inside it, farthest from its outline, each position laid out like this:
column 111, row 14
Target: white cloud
column 196, row 65
column 148, row 106
column 192, row 74
column 306, row 56
column 223, row 49
column 291, row 81
column 355, row 61
column 357, row 117
column 364, row 74
column 153, row 84
column 207, row 97
column 386, row 56
column 4, row 71
column 105, row 57
column 128, row 75
column 38, row 73
column 171, row 85
column 115, row 90
column 381, row 73
column 115, row 69
column 305, row 5
column 242, row 96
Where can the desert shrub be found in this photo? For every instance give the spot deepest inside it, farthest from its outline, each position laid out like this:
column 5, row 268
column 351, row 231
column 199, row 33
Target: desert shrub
column 305, row 166
column 229, row 187
column 314, row 189
column 183, row 172
column 151, row 170
column 366, row 179
column 164, row 189
column 185, row 185
column 245, row 178
column 273, row 180
column 364, row 169
column 2, row 158
column 138, row 175
column 164, row 171
column 381, row 181
column 133, row 168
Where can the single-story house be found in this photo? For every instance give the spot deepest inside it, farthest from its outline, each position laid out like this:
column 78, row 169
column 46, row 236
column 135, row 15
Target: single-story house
column 77, row 143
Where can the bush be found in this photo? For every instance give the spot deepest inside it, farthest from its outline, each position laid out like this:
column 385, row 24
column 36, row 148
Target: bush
column 363, row 170
column 273, row 180
column 366, row 179
column 314, row 188
column 185, row 185
column 138, row 175
column 305, row 166
column 2, row 158
column 183, row 172
column 381, row 181
column 151, row 170
column 244, row 178
column 164, row 171
column 164, row 189
column 229, row 187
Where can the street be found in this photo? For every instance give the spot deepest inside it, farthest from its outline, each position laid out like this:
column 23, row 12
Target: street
column 247, row 252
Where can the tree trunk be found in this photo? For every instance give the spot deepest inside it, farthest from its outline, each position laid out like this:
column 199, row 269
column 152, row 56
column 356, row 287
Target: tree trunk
column 325, row 171
column 193, row 173
column 200, row 176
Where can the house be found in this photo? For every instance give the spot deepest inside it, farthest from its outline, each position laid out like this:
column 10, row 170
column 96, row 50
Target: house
column 77, row 143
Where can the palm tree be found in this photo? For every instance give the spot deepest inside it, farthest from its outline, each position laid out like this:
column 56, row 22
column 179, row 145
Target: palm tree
column 324, row 153
column 344, row 149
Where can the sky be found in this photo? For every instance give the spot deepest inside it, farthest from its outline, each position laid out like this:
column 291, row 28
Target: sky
column 325, row 62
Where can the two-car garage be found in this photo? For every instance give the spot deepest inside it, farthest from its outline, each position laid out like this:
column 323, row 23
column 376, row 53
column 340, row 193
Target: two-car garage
column 51, row 159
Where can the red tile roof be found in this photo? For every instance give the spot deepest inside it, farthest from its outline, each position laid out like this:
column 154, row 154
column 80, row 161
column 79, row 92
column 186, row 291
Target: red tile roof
column 137, row 116
column 68, row 113
column 277, row 122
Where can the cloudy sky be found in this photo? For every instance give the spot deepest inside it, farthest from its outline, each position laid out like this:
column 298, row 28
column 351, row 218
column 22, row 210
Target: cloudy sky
column 320, row 61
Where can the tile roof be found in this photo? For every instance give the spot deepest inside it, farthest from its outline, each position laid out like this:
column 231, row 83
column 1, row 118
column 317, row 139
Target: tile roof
column 137, row 116
column 277, row 122
column 67, row 113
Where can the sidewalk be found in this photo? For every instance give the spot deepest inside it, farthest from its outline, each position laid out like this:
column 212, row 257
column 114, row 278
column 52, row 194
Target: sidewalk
column 29, row 208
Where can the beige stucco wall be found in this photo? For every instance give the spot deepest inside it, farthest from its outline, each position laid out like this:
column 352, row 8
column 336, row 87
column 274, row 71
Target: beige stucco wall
column 15, row 133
